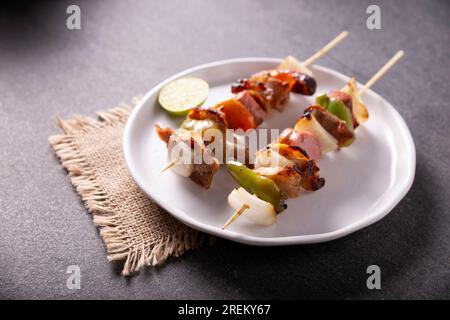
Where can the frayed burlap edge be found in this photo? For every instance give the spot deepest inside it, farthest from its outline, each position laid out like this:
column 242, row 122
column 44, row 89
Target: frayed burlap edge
column 96, row 200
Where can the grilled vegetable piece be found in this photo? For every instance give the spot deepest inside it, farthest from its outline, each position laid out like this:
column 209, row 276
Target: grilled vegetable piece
column 187, row 142
column 338, row 108
column 259, row 211
column 209, row 114
column 237, row 115
column 358, row 107
column 200, row 126
column 291, row 63
column 331, row 123
column 346, row 99
column 264, row 188
column 341, row 96
column 180, row 150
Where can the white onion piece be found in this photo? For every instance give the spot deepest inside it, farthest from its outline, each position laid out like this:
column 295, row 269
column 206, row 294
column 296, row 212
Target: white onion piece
column 260, row 212
column 310, row 124
column 358, row 107
column 184, row 165
column 238, row 145
column 271, row 158
column 291, row 63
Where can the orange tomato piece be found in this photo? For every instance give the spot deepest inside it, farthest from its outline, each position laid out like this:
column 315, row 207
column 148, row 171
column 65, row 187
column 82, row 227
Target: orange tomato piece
column 237, row 115
column 284, row 76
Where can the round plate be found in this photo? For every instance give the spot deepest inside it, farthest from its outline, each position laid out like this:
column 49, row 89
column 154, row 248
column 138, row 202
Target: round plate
column 364, row 182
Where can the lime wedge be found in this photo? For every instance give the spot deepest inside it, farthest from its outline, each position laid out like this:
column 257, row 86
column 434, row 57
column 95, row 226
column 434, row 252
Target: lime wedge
column 181, row 95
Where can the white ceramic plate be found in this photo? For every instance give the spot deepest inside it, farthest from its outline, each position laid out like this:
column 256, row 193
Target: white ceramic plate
column 363, row 182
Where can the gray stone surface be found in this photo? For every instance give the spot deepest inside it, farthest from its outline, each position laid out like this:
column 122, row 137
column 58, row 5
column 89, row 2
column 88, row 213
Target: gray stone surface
column 126, row 47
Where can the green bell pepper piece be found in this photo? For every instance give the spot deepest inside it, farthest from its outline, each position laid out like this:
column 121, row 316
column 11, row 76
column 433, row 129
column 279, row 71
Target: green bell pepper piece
column 323, row 100
column 340, row 110
column 264, row 188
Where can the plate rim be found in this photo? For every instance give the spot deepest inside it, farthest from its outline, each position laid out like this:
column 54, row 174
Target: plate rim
column 270, row 241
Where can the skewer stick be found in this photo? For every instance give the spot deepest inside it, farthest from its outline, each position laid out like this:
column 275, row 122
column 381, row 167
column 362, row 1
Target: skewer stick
column 236, row 215
column 381, row 72
column 169, row 165
column 306, row 63
column 325, row 49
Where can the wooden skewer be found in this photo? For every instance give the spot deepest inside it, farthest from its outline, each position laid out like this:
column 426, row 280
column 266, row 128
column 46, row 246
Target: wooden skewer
column 306, row 63
column 169, row 165
column 381, row 72
column 325, row 49
column 313, row 58
column 236, row 215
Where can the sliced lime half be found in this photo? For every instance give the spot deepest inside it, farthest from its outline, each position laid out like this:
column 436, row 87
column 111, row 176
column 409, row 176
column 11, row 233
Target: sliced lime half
column 181, row 95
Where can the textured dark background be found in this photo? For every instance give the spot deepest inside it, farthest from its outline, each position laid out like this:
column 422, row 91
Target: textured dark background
column 126, row 47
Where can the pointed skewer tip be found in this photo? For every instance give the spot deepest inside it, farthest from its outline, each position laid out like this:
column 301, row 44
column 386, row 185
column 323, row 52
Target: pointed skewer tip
column 169, row 165
column 236, row 215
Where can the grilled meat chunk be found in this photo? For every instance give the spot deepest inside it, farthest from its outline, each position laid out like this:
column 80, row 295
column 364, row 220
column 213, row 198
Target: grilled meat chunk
column 289, row 168
column 209, row 114
column 286, row 178
column 250, row 103
column 346, row 99
column 203, row 173
column 163, row 133
column 275, row 92
column 304, row 140
column 260, row 99
column 200, row 173
column 298, row 82
column 332, row 124
column 306, row 167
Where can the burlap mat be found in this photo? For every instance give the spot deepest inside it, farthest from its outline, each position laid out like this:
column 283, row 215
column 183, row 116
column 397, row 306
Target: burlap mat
column 133, row 227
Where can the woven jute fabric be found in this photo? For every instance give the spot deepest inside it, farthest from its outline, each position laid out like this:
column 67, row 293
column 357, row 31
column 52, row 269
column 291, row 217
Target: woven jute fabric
column 132, row 226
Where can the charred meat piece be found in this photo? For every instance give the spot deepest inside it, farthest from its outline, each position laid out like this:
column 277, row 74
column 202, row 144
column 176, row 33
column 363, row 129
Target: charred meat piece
column 305, row 166
column 298, row 82
column 203, row 173
column 332, row 124
column 260, row 99
column 250, row 103
column 280, row 93
column 341, row 96
column 287, row 179
column 275, row 92
column 163, row 133
column 209, row 114
column 200, row 173
column 304, row 140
